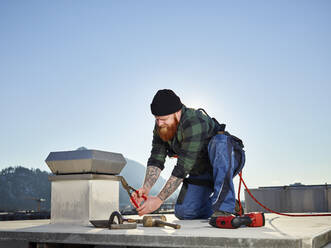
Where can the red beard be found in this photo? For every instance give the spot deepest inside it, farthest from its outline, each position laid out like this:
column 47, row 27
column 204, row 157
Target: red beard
column 166, row 132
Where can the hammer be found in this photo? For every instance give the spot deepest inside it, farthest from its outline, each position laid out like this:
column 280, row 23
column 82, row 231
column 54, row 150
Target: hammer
column 150, row 221
column 140, row 221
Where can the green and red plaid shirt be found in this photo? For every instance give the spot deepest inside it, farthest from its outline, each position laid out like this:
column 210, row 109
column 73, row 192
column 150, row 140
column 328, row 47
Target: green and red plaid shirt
column 190, row 144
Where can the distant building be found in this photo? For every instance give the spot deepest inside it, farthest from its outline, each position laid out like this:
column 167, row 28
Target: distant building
column 295, row 198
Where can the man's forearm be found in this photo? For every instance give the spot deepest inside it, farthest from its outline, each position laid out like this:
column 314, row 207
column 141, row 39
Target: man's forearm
column 152, row 174
column 170, row 187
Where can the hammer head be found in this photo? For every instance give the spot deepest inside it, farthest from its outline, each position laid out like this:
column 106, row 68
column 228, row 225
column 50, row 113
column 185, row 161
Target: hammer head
column 149, row 220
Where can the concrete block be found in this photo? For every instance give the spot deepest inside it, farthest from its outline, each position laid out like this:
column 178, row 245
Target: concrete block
column 78, row 200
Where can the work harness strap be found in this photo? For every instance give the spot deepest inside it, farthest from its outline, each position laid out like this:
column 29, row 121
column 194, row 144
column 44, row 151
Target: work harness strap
column 221, row 129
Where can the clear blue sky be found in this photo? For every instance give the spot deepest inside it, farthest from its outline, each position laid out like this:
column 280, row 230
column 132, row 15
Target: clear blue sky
column 83, row 73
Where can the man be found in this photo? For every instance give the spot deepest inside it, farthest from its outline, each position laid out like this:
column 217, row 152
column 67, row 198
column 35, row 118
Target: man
column 208, row 159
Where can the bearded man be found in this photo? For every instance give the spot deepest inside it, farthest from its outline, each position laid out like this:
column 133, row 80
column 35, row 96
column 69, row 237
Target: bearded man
column 207, row 160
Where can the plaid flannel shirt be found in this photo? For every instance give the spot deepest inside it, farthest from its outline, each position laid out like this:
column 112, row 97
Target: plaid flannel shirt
column 190, row 144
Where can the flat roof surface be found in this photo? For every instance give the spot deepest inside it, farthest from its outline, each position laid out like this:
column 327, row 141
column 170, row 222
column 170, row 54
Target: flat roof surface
column 279, row 231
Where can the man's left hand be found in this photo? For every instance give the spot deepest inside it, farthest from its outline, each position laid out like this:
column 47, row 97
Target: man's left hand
column 150, row 205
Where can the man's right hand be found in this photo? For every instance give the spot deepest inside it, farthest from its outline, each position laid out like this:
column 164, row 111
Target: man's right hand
column 138, row 195
column 152, row 174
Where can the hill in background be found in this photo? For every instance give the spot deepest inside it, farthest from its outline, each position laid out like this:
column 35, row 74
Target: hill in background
column 21, row 188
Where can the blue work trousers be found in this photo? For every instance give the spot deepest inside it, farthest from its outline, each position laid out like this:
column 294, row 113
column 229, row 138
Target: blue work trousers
column 227, row 159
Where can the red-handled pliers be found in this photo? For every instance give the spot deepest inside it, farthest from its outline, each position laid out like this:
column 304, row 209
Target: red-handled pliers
column 130, row 190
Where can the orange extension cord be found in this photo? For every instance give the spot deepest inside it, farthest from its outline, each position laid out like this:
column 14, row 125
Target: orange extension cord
column 268, row 209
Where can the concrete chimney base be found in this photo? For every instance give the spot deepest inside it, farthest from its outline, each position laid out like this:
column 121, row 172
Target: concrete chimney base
column 76, row 199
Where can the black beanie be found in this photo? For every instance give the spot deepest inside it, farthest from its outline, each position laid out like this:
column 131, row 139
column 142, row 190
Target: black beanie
column 165, row 102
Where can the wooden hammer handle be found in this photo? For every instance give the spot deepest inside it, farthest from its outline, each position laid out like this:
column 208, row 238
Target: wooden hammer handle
column 163, row 223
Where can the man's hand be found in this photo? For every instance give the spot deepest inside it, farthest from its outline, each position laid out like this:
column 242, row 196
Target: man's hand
column 152, row 174
column 139, row 197
column 149, row 206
